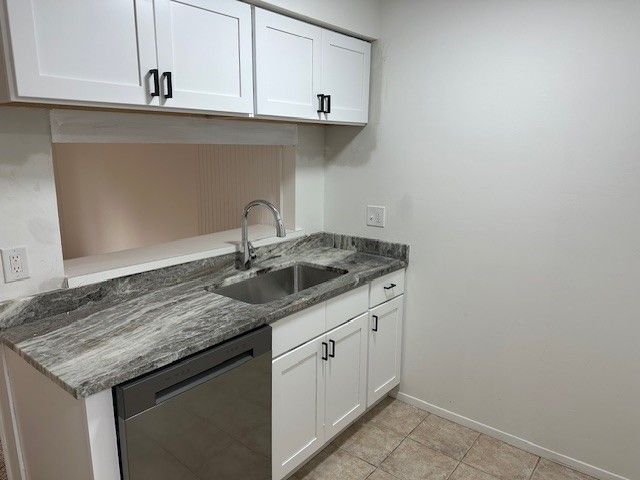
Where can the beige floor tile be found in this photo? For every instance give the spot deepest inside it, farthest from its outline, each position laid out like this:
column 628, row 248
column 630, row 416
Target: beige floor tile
column 445, row 436
column 334, row 463
column 548, row 470
column 381, row 475
column 465, row 472
column 396, row 415
column 413, row 461
column 368, row 441
column 501, row 460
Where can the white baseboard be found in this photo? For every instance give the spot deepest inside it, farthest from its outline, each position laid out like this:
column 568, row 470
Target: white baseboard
column 511, row 439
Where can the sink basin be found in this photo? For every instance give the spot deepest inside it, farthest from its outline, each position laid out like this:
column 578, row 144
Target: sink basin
column 277, row 284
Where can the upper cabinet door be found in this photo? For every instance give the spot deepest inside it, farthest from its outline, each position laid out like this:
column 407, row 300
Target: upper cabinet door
column 346, row 66
column 288, row 61
column 83, row 50
column 205, row 57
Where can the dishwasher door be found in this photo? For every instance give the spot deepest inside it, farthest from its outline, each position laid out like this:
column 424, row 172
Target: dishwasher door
column 204, row 418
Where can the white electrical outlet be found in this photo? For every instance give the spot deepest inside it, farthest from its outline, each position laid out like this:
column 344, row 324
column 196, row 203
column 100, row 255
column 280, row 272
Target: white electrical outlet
column 375, row 216
column 15, row 264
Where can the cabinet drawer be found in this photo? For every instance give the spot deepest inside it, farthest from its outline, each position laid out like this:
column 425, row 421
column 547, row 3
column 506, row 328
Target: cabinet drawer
column 387, row 287
column 297, row 329
column 347, row 306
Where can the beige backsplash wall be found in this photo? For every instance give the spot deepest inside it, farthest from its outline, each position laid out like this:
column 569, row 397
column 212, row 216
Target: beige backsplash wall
column 113, row 197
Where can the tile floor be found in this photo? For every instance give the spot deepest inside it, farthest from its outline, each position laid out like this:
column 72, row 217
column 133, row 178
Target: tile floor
column 396, row 441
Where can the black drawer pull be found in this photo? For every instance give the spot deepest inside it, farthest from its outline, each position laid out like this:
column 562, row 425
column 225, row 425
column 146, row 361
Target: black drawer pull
column 333, row 349
column 375, row 323
column 325, row 351
column 156, row 82
column 390, row 286
column 169, row 81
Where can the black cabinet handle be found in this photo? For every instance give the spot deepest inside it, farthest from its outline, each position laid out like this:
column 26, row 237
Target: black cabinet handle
column 321, row 103
column 390, row 286
column 325, row 351
column 328, row 103
column 166, row 76
column 333, row 348
column 375, row 323
column 156, row 82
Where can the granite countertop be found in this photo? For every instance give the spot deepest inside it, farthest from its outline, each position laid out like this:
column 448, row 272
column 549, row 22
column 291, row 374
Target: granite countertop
column 92, row 338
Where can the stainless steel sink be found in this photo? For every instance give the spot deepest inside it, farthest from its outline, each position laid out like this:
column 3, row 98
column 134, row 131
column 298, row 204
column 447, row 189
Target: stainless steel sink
column 277, row 284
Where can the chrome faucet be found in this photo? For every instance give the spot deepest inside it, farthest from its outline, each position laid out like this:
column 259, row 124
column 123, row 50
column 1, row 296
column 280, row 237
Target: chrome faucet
column 247, row 254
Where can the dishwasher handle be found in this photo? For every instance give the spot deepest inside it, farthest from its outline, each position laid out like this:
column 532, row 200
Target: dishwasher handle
column 151, row 390
column 189, row 383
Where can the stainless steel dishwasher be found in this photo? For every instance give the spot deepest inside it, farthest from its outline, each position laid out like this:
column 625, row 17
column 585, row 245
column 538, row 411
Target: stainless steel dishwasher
column 206, row 417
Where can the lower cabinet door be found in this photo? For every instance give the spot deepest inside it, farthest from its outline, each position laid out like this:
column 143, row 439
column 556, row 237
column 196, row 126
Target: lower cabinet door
column 298, row 406
column 385, row 339
column 346, row 381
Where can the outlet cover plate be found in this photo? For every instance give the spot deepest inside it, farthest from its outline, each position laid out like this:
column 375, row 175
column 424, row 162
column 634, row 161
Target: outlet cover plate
column 15, row 264
column 376, row 216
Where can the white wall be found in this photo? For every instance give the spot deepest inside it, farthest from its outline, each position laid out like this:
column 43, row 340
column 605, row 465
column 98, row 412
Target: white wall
column 504, row 141
column 357, row 17
column 309, row 184
column 28, row 211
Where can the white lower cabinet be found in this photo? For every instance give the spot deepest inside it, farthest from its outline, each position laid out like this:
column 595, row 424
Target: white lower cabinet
column 346, row 375
column 298, row 381
column 385, row 343
column 318, row 389
column 325, row 384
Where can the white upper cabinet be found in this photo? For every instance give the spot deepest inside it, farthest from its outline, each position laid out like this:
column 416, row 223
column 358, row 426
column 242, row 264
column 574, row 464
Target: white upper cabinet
column 304, row 71
column 182, row 55
column 83, row 50
column 205, row 55
column 288, row 59
column 346, row 67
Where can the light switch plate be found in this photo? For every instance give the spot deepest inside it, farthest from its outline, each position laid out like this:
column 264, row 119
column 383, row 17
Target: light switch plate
column 15, row 264
column 376, row 216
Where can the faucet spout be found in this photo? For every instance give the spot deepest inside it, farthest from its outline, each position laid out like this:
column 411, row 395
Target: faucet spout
column 247, row 254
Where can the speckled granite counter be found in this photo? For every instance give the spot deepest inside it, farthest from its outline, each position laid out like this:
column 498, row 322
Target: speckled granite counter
column 91, row 338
